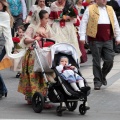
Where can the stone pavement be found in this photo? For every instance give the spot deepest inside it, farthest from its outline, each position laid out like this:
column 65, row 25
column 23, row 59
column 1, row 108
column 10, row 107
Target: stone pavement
column 105, row 104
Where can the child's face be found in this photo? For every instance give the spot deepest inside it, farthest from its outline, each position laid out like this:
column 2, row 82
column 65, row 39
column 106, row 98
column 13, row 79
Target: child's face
column 64, row 61
column 20, row 33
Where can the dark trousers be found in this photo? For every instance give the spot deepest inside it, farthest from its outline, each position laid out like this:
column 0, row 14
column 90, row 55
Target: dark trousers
column 105, row 51
column 3, row 88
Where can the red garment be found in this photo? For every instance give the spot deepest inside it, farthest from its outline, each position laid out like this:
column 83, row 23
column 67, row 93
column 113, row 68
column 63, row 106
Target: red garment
column 104, row 33
column 30, row 13
column 83, row 57
column 54, row 15
column 85, row 4
column 66, row 68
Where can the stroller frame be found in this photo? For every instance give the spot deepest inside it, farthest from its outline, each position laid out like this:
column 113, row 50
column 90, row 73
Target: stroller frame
column 71, row 103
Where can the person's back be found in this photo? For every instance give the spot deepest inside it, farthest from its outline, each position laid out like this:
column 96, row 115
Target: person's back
column 15, row 7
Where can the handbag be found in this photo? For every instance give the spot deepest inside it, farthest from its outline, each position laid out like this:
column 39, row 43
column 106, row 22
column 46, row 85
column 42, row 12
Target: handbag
column 2, row 42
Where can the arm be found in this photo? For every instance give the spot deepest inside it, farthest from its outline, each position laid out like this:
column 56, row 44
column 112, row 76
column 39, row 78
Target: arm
column 83, row 25
column 116, row 29
column 59, row 68
column 24, row 9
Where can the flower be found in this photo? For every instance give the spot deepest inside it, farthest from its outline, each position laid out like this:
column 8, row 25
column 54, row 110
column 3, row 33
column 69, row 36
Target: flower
column 16, row 39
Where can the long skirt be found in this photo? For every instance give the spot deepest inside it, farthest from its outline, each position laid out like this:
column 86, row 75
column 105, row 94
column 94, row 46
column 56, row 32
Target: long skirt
column 30, row 81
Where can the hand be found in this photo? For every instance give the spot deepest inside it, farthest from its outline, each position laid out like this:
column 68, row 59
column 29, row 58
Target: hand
column 37, row 38
column 118, row 42
column 72, row 67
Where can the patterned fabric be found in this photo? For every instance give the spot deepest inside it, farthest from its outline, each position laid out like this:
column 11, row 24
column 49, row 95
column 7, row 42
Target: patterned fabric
column 15, row 7
column 93, row 19
column 31, row 82
column 66, row 32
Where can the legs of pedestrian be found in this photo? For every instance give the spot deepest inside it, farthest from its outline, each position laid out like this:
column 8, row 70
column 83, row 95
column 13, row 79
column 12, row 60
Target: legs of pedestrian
column 105, row 51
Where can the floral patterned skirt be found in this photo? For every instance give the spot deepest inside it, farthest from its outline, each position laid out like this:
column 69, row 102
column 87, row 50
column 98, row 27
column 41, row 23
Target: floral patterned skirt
column 31, row 82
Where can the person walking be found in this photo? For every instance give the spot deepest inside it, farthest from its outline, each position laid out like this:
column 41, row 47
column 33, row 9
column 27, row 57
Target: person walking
column 6, row 43
column 39, row 5
column 100, row 23
column 17, row 12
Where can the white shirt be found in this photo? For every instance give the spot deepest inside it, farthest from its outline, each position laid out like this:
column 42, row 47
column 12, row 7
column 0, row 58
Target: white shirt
column 6, row 30
column 103, row 19
column 24, row 9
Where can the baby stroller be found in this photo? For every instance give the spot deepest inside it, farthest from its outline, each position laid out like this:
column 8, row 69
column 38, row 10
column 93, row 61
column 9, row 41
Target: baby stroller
column 60, row 91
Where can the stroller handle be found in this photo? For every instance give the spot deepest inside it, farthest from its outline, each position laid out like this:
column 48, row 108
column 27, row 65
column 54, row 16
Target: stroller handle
column 47, row 40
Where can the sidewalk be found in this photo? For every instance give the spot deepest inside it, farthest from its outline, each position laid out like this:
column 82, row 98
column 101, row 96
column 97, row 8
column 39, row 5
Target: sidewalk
column 104, row 103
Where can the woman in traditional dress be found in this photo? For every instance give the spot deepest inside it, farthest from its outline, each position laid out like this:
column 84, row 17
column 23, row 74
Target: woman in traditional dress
column 63, row 27
column 39, row 5
column 31, row 81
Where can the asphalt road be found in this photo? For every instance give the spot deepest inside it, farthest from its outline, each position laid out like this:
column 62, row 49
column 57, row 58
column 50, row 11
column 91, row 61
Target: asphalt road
column 104, row 104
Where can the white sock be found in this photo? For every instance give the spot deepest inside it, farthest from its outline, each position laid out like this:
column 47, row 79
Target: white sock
column 81, row 83
column 74, row 86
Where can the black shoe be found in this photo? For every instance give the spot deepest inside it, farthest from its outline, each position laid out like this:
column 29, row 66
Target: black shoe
column 18, row 75
column 6, row 94
column 104, row 82
column 1, row 96
column 85, row 89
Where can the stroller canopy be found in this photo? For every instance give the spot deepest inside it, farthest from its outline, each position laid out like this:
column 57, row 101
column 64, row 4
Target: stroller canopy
column 64, row 48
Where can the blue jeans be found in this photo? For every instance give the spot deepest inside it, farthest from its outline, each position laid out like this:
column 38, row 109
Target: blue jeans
column 2, row 54
column 3, row 88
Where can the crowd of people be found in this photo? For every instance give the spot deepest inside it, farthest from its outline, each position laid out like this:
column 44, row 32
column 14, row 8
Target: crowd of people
column 95, row 23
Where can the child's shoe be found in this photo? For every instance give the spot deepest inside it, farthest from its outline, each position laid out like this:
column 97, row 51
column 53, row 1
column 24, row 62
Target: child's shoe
column 85, row 89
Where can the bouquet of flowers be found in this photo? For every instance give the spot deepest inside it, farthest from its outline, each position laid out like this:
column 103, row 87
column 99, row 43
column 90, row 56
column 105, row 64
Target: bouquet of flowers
column 69, row 10
column 16, row 40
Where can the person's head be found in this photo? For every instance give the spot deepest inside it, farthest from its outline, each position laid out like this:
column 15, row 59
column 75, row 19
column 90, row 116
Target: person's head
column 78, row 2
column 41, row 3
column 101, row 3
column 3, row 5
column 20, row 31
column 61, row 1
column 92, row 2
column 64, row 61
column 44, row 16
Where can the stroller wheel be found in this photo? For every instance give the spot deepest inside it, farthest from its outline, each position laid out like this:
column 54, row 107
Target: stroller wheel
column 72, row 105
column 82, row 109
column 37, row 102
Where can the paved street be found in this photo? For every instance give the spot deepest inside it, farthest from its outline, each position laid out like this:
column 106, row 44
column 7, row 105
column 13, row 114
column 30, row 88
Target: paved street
column 105, row 104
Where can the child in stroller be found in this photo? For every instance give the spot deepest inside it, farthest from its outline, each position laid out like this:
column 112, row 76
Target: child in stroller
column 69, row 73
column 60, row 91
